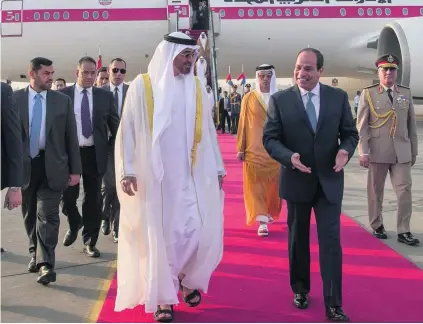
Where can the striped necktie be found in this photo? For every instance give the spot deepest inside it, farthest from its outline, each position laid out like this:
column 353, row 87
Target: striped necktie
column 34, row 136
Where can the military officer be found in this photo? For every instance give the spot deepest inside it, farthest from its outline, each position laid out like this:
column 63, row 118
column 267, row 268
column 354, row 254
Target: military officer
column 388, row 142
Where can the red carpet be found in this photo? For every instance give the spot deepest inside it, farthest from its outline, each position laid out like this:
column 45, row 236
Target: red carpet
column 252, row 283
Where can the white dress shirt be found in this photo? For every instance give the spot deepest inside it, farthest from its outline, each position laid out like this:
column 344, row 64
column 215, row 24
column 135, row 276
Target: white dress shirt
column 77, row 109
column 31, row 101
column 120, row 92
column 315, row 99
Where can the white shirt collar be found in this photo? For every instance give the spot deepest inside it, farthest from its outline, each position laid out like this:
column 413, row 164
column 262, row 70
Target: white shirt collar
column 315, row 91
column 112, row 87
column 80, row 89
column 33, row 93
column 386, row 88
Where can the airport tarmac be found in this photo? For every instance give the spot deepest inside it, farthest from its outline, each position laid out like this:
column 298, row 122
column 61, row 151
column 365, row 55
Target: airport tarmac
column 74, row 297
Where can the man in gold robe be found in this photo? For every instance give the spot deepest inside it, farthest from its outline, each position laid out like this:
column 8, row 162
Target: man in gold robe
column 261, row 172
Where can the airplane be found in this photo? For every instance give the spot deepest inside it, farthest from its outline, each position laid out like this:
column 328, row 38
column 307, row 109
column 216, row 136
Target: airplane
column 349, row 33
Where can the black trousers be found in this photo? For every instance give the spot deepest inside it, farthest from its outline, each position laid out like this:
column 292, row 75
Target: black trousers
column 111, row 205
column 330, row 252
column 91, row 205
column 234, row 123
column 40, row 210
column 224, row 116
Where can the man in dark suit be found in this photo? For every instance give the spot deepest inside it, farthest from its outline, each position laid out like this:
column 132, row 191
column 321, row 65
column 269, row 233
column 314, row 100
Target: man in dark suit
column 310, row 131
column 96, row 116
column 11, row 149
column 51, row 163
column 111, row 207
column 224, row 109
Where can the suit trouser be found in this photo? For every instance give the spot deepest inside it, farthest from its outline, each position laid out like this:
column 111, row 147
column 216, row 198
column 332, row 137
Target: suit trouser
column 327, row 217
column 111, row 205
column 40, row 210
column 224, row 116
column 400, row 174
column 91, row 206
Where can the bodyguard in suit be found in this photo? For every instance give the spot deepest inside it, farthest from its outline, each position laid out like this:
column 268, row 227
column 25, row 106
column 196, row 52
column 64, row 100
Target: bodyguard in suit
column 51, row 163
column 11, row 149
column 111, row 207
column 310, row 131
column 96, row 117
column 388, row 142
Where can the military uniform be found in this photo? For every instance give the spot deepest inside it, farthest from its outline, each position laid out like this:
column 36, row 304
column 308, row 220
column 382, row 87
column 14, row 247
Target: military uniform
column 235, row 101
column 386, row 123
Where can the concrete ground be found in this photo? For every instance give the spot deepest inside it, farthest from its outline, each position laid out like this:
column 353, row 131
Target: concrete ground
column 81, row 280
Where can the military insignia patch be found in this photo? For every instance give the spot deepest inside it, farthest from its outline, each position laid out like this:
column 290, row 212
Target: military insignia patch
column 390, row 59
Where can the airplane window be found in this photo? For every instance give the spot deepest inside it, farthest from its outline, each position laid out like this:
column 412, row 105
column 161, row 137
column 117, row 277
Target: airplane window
column 421, row 11
column 46, row 16
column 241, row 12
column 95, row 15
column 222, row 13
column 369, row 12
column 379, row 12
column 360, row 11
column 315, row 12
column 250, row 12
column 37, row 16
column 278, row 12
column 306, row 12
column 105, row 14
column 269, row 12
column 66, row 15
column 260, row 13
column 343, row 12
column 56, row 16
column 85, row 15
column 405, row 11
column 297, row 12
column 184, row 11
column 387, row 11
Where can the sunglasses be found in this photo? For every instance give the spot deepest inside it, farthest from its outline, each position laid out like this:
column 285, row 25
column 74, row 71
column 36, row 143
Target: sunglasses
column 116, row 70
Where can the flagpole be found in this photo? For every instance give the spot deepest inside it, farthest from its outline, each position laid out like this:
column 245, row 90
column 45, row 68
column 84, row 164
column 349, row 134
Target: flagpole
column 243, row 84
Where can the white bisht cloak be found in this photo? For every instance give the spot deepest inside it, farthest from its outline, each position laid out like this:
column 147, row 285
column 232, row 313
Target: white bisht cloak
column 144, row 277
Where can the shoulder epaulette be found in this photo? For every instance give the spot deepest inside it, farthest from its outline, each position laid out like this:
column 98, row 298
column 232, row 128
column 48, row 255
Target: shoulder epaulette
column 403, row 86
column 372, row 86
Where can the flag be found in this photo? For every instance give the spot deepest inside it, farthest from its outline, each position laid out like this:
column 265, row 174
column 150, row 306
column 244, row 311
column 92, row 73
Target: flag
column 229, row 80
column 99, row 61
column 242, row 78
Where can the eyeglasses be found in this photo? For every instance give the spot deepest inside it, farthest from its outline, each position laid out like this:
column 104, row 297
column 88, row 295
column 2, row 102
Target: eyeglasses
column 116, row 70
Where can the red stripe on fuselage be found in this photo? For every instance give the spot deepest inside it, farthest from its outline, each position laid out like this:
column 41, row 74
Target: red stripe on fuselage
column 149, row 14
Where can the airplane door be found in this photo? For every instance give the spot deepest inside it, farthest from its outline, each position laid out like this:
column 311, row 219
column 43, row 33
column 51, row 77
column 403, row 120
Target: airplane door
column 182, row 6
column 11, row 18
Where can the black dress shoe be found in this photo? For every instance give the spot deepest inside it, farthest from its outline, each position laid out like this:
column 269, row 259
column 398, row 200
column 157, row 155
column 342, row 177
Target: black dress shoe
column 115, row 236
column 380, row 233
column 32, row 265
column 105, row 227
column 70, row 238
column 408, row 238
column 47, row 275
column 301, row 301
column 91, row 251
column 336, row 314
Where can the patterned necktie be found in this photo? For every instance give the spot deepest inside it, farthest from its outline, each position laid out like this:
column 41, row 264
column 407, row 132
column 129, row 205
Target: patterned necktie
column 390, row 95
column 34, row 136
column 116, row 97
column 311, row 111
column 87, row 129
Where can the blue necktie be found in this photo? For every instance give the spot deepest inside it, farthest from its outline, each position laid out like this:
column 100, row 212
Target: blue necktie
column 87, row 129
column 311, row 111
column 34, row 136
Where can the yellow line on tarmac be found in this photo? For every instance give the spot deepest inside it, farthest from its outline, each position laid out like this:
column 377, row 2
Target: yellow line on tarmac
column 104, row 289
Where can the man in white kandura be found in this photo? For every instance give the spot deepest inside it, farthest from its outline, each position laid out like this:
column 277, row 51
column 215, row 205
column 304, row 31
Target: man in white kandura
column 171, row 175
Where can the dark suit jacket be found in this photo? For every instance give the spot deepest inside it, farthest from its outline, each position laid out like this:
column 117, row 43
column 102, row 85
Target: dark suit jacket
column 287, row 131
column 125, row 90
column 11, row 143
column 61, row 150
column 104, row 118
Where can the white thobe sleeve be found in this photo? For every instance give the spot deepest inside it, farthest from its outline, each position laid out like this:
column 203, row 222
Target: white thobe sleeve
column 127, row 132
column 218, row 155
